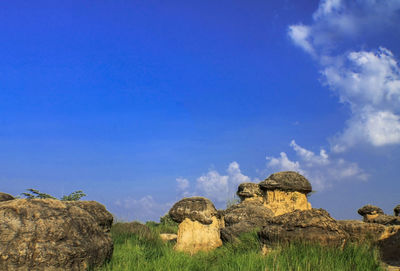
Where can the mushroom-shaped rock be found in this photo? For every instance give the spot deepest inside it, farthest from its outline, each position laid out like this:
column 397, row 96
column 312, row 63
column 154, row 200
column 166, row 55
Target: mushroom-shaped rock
column 370, row 210
column 195, row 208
column 249, row 191
column 5, row 197
column 199, row 228
column 397, row 210
column 285, row 192
column 244, row 217
column 374, row 214
column 314, row 225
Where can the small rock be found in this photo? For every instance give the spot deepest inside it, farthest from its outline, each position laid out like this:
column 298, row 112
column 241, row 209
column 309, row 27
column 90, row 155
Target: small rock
column 167, row 237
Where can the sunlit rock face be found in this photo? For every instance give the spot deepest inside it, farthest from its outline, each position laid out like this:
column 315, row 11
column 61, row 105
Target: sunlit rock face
column 199, row 225
column 48, row 234
column 285, row 192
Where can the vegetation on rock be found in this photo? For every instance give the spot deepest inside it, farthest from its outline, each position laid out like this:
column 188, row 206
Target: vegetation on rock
column 36, row 194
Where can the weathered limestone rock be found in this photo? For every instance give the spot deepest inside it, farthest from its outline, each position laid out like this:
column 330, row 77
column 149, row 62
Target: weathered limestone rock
column 250, row 192
column 314, row 225
column 397, row 210
column 199, row 228
column 285, row 192
column 244, row 217
column 369, row 212
column 375, row 214
column 387, row 238
column 48, row 234
column 5, row 197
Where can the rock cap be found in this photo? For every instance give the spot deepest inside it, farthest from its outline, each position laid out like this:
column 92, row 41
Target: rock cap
column 195, row 208
column 5, row 197
column 286, row 181
column 370, row 210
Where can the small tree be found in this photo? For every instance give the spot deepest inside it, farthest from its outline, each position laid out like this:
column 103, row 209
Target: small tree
column 77, row 195
column 36, row 194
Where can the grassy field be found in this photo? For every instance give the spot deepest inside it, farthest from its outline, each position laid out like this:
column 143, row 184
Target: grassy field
column 143, row 250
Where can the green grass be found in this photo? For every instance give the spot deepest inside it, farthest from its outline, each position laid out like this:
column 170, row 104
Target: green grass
column 147, row 252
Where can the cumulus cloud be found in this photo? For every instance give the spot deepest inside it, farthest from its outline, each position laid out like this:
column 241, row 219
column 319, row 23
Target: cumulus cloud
column 320, row 169
column 368, row 81
column 217, row 187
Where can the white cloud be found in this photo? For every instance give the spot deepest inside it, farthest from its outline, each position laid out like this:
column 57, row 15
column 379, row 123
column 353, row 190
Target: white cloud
column 367, row 81
column 142, row 209
column 220, row 188
column 320, row 169
column 182, row 184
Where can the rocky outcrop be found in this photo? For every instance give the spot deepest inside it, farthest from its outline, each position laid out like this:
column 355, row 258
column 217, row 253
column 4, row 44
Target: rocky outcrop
column 250, row 192
column 5, row 197
column 199, row 228
column 314, row 225
column 244, row 217
column 396, row 210
column 48, row 234
column 361, row 231
column 374, row 214
column 285, row 192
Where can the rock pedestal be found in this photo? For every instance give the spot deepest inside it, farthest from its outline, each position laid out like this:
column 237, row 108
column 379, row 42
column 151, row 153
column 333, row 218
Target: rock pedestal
column 199, row 225
column 285, row 192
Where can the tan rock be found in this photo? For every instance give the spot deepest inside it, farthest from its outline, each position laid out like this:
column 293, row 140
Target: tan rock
column 282, row 202
column 48, row 234
column 250, row 192
column 194, row 236
column 167, row 237
column 285, row 192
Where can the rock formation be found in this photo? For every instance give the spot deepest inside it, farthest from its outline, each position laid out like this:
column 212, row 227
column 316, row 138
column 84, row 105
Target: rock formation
column 286, row 191
column 48, row 234
column 199, row 225
column 315, row 225
column 244, row 217
column 396, row 210
column 373, row 214
column 5, row 197
column 250, row 192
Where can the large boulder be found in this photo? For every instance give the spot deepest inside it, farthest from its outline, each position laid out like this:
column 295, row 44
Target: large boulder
column 314, row 225
column 5, row 197
column 48, row 234
column 396, row 210
column 285, row 192
column 244, row 217
column 199, row 228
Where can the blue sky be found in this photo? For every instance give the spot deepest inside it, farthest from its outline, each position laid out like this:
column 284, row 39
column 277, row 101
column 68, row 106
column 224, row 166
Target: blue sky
column 139, row 103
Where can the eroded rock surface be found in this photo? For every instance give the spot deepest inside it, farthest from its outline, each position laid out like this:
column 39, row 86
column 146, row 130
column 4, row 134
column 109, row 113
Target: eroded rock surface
column 5, row 197
column 374, row 214
column 244, row 217
column 250, row 192
column 48, row 234
column 286, row 181
column 199, row 228
column 314, row 225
